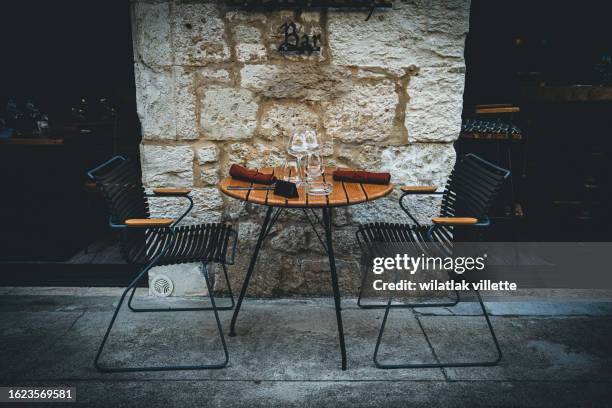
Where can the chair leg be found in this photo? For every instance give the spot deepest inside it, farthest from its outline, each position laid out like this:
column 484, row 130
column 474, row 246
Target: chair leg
column 185, row 309
column 131, row 286
column 439, row 365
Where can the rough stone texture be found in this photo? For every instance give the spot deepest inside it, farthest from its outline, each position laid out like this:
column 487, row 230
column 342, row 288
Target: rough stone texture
column 207, row 203
column 167, row 166
column 215, row 75
column 433, row 113
column 228, row 114
column 186, row 104
column 249, row 44
column 390, row 39
column 209, row 175
column 363, row 114
column 155, row 102
column 213, row 90
column 282, row 121
column 198, row 34
column 308, row 82
column 151, row 33
column 207, row 154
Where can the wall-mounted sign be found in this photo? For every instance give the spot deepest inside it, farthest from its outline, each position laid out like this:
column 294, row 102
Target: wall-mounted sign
column 295, row 43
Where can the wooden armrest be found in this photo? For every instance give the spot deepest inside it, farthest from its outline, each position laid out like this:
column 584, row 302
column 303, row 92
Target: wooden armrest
column 489, row 109
column 419, row 189
column 170, row 191
column 148, row 222
column 454, row 220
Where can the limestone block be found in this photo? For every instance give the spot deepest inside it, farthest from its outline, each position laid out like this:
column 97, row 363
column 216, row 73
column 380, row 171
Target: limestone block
column 207, row 154
column 234, row 210
column 215, row 75
column 433, row 113
column 449, row 17
column 185, row 97
column 249, row 44
column 151, row 32
column 279, row 122
column 245, row 16
column 310, row 16
column 207, row 204
column 238, row 153
column 364, row 114
column 228, row 114
column 300, row 81
column 187, row 279
column 155, row 102
column 417, row 164
column 414, row 164
column 265, row 155
column 209, row 175
column 313, row 277
column 251, row 52
column 441, row 49
column 207, row 198
column 198, row 34
column 290, row 239
column 167, row 166
column 389, row 39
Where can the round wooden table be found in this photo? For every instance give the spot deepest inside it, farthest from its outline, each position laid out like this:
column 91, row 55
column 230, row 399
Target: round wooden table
column 343, row 194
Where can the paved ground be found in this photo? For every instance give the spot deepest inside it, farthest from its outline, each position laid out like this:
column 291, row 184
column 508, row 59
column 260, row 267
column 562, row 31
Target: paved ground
column 557, row 352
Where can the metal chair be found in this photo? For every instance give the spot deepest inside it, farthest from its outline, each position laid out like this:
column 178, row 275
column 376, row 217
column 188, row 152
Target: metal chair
column 471, row 189
column 149, row 242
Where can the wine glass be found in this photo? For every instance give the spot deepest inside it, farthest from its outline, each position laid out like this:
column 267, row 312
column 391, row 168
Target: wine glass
column 311, row 140
column 314, row 170
column 292, row 172
column 297, row 146
column 313, row 167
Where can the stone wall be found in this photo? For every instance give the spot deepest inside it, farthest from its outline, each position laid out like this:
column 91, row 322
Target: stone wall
column 213, row 90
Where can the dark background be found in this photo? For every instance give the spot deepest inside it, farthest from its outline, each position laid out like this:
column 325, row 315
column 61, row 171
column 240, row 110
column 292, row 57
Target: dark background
column 59, row 51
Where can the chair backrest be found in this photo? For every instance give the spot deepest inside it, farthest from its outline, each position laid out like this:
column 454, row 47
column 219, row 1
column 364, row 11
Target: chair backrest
column 472, row 187
column 471, row 190
column 119, row 182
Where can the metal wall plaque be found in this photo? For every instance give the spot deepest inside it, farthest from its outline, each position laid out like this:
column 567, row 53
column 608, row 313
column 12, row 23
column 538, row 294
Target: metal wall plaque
column 294, row 43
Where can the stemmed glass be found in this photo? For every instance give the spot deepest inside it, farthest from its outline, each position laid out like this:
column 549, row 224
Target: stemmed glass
column 306, row 146
column 298, row 148
column 311, row 141
column 314, row 170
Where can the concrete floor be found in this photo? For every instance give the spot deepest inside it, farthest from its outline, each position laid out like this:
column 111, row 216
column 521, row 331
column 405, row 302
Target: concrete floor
column 557, row 352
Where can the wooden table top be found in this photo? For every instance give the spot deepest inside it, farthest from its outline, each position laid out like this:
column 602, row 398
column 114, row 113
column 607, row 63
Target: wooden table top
column 343, row 194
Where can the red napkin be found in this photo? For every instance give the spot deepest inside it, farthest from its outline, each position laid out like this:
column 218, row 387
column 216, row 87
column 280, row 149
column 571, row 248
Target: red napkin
column 362, row 177
column 242, row 173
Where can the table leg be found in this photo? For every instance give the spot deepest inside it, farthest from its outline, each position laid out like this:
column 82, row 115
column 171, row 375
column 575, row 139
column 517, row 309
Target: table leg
column 262, row 235
column 327, row 223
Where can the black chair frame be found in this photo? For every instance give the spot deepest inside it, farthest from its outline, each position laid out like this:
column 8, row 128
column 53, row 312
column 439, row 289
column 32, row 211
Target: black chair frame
column 456, row 202
column 159, row 246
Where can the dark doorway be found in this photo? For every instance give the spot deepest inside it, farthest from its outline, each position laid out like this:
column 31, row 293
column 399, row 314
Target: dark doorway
column 70, row 62
column 553, row 61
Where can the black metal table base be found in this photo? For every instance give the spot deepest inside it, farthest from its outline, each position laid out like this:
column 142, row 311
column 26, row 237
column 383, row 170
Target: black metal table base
column 269, row 221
